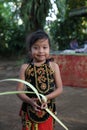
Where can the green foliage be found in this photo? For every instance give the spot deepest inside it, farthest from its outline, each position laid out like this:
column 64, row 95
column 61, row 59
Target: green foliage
column 33, row 14
column 63, row 30
column 73, row 4
column 11, row 34
column 61, row 6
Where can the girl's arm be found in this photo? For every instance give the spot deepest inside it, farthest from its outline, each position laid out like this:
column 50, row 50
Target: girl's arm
column 58, row 82
column 20, row 87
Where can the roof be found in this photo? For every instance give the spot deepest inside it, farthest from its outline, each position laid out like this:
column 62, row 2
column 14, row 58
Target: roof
column 78, row 12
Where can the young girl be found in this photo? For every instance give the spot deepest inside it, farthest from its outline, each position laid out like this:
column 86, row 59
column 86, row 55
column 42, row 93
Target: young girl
column 44, row 75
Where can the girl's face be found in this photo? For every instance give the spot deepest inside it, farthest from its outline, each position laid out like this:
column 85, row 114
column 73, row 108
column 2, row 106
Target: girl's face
column 40, row 50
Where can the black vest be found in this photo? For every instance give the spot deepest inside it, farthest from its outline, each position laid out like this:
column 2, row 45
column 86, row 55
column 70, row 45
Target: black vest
column 42, row 78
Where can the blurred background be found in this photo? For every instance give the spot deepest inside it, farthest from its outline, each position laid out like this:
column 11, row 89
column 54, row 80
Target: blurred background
column 66, row 22
column 63, row 20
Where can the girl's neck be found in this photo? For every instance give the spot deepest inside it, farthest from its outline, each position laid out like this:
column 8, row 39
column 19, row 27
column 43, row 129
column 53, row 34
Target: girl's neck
column 38, row 63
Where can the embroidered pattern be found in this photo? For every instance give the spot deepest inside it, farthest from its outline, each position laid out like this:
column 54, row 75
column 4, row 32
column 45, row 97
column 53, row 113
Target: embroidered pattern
column 41, row 77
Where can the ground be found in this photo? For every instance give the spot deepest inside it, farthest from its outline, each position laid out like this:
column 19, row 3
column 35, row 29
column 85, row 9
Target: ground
column 71, row 105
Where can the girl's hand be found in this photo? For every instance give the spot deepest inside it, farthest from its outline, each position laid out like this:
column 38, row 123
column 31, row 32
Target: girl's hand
column 34, row 104
column 44, row 105
column 44, row 102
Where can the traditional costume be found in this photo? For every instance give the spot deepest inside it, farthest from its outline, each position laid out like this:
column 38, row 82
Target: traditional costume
column 42, row 77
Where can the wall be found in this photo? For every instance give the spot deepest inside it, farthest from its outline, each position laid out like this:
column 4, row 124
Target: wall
column 73, row 69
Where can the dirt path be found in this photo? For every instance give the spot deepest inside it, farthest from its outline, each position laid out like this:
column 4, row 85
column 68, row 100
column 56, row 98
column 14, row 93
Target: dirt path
column 71, row 105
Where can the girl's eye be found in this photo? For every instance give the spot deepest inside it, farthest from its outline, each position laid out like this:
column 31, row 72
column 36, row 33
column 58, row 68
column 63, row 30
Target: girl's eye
column 45, row 47
column 35, row 47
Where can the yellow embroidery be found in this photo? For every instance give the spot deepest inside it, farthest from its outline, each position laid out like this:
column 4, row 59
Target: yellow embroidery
column 35, row 126
column 42, row 81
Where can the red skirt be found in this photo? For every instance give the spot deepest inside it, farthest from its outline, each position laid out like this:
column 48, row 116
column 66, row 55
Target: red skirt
column 30, row 125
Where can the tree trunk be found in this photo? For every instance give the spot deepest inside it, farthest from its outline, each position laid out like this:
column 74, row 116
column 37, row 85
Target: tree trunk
column 34, row 13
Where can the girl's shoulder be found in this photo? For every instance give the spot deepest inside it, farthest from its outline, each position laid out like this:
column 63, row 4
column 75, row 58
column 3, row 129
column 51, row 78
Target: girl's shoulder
column 54, row 66
column 24, row 67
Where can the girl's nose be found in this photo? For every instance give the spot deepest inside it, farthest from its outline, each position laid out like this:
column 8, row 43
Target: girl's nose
column 41, row 50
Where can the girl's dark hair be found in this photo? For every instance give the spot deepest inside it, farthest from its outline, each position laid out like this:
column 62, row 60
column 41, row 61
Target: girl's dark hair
column 32, row 38
column 35, row 36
